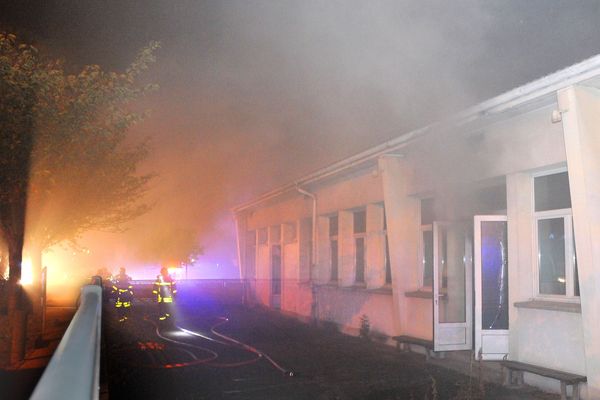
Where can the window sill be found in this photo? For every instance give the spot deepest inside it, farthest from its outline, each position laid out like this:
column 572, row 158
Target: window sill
column 381, row 290
column 550, row 306
column 387, row 290
column 419, row 294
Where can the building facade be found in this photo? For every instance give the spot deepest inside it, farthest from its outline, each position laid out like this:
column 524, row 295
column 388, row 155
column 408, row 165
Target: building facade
column 478, row 233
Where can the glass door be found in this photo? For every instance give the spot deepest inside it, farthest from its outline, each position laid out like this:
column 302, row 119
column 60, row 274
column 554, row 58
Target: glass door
column 491, row 287
column 452, row 287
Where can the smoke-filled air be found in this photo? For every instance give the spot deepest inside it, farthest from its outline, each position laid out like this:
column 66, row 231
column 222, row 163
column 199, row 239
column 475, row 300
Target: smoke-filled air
column 172, row 113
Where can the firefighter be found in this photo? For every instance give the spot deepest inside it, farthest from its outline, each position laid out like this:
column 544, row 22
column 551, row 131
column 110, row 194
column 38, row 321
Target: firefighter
column 165, row 290
column 122, row 290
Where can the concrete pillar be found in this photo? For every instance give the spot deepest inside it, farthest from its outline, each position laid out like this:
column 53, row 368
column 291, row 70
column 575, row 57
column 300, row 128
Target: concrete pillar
column 305, row 244
column 241, row 228
column 322, row 271
column 346, row 249
column 403, row 224
column 519, row 208
column 263, row 273
column 580, row 107
column 375, row 246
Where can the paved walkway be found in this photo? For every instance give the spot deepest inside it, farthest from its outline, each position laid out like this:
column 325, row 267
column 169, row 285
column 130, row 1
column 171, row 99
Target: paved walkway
column 198, row 359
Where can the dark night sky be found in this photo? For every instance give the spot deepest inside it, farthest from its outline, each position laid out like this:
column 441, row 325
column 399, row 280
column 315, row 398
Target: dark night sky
column 257, row 93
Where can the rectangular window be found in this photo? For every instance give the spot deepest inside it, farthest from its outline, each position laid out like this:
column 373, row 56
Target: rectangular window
column 388, row 264
column 551, row 256
column 334, row 260
column 360, row 259
column 427, row 218
column 555, row 245
column 333, row 244
column 333, row 226
column 360, row 230
column 360, row 221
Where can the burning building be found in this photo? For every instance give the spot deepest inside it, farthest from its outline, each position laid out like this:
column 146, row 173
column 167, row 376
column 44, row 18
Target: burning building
column 481, row 233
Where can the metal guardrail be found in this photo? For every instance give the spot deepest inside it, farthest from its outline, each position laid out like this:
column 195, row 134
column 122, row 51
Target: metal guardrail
column 74, row 370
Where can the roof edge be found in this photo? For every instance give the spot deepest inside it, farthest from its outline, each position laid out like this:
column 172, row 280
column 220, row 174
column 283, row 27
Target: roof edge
column 546, row 85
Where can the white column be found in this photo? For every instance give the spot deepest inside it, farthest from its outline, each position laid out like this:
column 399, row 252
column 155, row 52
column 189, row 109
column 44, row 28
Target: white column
column 323, row 267
column 403, row 227
column 241, row 229
column 519, row 208
column 305, row 244
column 346, row 249
column 375, row 247
column 580, row 107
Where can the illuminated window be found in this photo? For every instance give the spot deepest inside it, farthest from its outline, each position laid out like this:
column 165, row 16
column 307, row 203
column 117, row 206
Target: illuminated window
column 555, row 240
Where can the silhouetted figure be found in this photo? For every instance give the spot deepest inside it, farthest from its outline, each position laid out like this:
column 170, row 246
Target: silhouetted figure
column 164, row 289
column 123, row 292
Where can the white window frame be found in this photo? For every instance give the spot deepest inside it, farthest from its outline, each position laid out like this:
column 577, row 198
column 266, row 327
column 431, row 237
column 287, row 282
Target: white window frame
column 567, row 215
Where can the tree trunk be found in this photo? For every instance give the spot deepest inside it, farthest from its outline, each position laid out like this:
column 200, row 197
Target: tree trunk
column 17, row 315
column 35, row 294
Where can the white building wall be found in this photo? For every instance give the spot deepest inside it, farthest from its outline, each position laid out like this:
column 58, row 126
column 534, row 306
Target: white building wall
column 513, row 148
column 322, row 270
column 580, row 108
column 375, row 242
column 263, row 274
column 345, row 307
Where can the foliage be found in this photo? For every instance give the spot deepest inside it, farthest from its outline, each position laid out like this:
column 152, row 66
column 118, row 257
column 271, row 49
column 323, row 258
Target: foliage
column 83, row 171
column 19, row 87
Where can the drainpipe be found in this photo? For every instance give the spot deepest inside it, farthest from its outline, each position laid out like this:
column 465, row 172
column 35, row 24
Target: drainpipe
column 313, row 258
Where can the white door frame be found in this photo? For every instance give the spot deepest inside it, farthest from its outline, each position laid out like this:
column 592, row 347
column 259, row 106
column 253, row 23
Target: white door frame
column 450, row 336
column 496, row 340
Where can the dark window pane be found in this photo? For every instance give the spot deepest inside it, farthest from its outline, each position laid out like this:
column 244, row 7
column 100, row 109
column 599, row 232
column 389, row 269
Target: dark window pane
column 360, row 221
column 427, row 258
column 551, row 248
column 494, row 275
column 276, row 269
column 552, row 192
column 360, row 259
column 388, row 264
column 333, row 226
column 427, row 212
column 334, row 260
